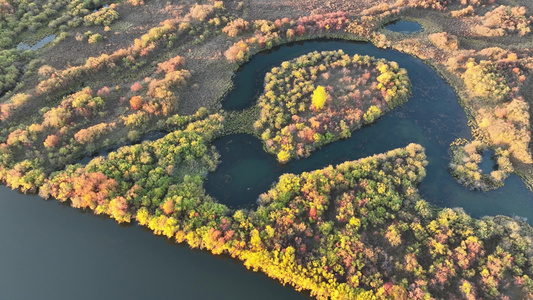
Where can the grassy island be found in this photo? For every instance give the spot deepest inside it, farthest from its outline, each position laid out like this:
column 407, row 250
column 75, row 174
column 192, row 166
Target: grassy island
column 319, row 98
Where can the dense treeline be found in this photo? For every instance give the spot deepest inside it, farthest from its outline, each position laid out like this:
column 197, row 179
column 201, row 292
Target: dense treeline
column 360, row 231
column 310, row 229
column 158, row 180
column 465, row 161
column 267, row 34
column 318, row 98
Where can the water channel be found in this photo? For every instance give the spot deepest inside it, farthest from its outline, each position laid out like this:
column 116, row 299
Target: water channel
column 432, row 117
column 47, row 39
column 52, row 251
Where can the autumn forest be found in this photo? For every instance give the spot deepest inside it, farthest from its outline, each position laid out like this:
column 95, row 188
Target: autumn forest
column 114, row 108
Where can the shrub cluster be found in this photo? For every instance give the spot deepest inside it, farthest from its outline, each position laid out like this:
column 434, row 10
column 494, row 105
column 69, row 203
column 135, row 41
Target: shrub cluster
column 105, row 16
column 444, row 40
column 467, row 11
column 485, row 80
column 500, row 110
column 505, row 20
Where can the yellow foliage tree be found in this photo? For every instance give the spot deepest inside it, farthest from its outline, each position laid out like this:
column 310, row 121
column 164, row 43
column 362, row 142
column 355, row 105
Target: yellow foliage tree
column 319, row 97
column 283, row 156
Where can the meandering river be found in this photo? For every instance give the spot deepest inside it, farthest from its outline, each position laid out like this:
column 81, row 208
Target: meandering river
column 52, row 251
column 432, row 117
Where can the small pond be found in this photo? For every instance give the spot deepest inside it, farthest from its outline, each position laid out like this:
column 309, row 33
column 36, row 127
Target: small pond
column 487, row 164
column 405, row 27
column 47, row 39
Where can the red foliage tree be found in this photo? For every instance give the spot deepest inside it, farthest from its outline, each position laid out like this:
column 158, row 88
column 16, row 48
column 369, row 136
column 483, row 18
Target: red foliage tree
column 51, row 141
column 312, row 213
column 103, row 91
column 171, row 65
column 136, row 87
column 300, row 29
column 168, row 206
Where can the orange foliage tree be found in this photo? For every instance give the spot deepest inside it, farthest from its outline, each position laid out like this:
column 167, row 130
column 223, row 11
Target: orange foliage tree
column 136, row 102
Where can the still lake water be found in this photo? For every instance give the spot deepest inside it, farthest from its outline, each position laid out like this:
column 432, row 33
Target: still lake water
column 52, row 251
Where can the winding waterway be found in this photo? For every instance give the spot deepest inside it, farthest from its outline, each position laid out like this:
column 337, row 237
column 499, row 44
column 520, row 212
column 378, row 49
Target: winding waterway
column 52, row 251
column 432, row 117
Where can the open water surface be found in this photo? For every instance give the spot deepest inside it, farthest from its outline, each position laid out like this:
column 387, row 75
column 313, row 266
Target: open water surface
column 405, row 27
column 47, row 39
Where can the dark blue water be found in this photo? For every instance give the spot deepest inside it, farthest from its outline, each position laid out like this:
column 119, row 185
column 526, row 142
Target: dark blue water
column 487, row 162
column 405, row 27
column 50, row 251
column 432, row 117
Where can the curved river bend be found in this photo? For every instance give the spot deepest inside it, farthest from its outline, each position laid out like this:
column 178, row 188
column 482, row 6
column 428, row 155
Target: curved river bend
column 432, row 117
column 52, row 251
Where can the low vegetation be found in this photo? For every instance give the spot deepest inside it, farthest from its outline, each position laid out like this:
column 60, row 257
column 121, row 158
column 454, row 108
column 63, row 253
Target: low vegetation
column 505, row 20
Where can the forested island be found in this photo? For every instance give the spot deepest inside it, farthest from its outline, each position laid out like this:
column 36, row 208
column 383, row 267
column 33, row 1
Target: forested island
column 321, row 97
column 114, row 107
